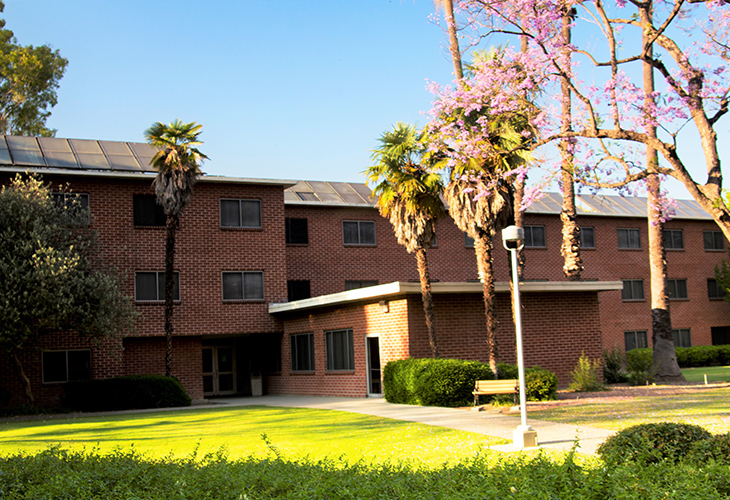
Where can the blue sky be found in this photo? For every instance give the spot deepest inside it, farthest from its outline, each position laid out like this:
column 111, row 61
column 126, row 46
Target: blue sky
column 284, row 89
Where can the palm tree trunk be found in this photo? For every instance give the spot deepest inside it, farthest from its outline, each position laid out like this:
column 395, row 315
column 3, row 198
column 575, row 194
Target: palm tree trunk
column 483, row 247
column 24, row 380
column 570, row 247
column 427, row 299
column 170, row 232
column 664, row 355
column 448, row 6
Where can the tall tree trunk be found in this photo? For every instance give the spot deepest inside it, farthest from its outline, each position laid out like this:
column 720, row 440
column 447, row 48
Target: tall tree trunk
column 170, row 232
column 664, row 356
column 570, row 247
column 453, row 38
column 24, row 380
column 427, row 299
column 483, row 247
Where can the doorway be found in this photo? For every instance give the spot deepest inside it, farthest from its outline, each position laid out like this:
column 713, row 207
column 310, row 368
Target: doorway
column 375, row 384
column 219, row 371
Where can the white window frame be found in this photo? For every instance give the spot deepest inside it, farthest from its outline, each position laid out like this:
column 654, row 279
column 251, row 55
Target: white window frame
column 243, row 287
column 159, row 275
column 346, row 365
column 241, row 225
column 359, row 233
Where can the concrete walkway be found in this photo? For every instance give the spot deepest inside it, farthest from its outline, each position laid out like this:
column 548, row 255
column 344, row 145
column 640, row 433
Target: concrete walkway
column 549, row 434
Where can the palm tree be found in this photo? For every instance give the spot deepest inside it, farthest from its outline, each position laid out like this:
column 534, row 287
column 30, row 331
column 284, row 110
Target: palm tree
column 178, row 167
column 407, row 193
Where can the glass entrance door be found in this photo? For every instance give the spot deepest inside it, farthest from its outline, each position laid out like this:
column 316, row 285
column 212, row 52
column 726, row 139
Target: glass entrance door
column 218, row 371
column 375, row 386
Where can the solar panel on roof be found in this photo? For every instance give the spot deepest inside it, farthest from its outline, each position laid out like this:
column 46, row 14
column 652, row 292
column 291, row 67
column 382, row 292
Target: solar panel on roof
column 93, row 161
column 53, row 144
column 25, row 151
column 347, row 192
column 61, row 160
column 84, row 146
column 144, row 153
column 21, row 142
column 4, row 153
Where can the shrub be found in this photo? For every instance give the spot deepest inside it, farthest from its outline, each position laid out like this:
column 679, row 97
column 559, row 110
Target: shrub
column 433, row 382
column 125, row 393
column 507, row 371
column 585, row 375
column 640, row 365
column 540, row 385
column 716, row 448
column 613, row 366
column 703, row 355
column 651, row 443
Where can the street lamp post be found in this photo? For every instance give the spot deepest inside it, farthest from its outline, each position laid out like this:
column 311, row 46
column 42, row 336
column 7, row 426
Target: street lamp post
column 513, row 239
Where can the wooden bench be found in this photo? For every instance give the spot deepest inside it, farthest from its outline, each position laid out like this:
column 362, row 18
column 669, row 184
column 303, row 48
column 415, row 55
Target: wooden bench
column 492, row 387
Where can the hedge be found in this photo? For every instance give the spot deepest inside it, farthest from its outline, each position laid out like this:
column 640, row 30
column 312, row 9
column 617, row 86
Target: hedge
column 125, row 393
column 688, row 357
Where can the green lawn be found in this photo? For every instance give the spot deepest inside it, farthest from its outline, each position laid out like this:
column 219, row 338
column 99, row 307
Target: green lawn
column 709, row 408
column 293, row 432
column 714, row 374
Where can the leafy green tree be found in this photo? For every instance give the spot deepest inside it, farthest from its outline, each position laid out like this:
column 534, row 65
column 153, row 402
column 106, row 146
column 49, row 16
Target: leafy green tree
column 408, row 194
column 178, row 167
column 51, row 277
column 29, row 78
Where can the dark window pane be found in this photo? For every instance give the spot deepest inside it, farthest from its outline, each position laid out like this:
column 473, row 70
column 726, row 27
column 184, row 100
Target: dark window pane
column 354, row 284
column 251, row 213
column 587, row 237
column 207, row 361
column 720, row 335
column 714, row 240
column 714, row 290
column 468, row 241
column 298, row 290
column 350, row 233
column 673, row 239
column 145, row 286
column 677, row 289
column 79, row 365
column 629, row 238
column 54, row 366
column 230, row 213
column 253, row 286
column 681, row 337
column 535, row 236
column 232, row 286
column 297, row 232
column 367, row 233
column 302, row 347
column 175, row 286
column 147, row 212
column 340, row 354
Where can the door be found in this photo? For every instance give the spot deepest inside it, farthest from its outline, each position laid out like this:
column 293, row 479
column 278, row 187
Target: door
column 375, row 385
column 218, row 371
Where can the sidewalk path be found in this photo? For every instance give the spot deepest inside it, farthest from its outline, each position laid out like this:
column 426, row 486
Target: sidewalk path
column 549, row 434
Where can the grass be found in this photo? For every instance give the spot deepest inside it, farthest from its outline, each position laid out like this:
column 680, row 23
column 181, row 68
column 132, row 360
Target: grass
column 292, row 432
column 707, row 408
column 714, row 374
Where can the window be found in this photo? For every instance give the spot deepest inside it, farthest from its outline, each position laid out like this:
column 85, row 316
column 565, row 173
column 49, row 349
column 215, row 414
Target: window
column 241, row 213
column 468, row 241
column 340, row 353
column 150, row 286
column 677, row 289
column 681, row 337
column 296, row 231
column 147, row 212
column 243, row 285
column 587, row 237
column 302, row 352
column 629, row 238
column 534, row 236
column 635, row 339
column 66, row 366
column 714, row 290
column 673, row 239
column 714, row 240
column 354, row 284
column 720, row 335
column 358, row 232
column 76, row 203
column 298, row 290
column 633, row 290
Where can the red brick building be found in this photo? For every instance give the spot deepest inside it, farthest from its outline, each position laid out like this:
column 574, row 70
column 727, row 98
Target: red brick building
column 271, row 273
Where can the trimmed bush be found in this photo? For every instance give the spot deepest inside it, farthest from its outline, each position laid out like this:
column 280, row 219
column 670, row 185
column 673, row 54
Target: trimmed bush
column 703, row 355
column 507, row 371
column 125, row 393
column 715, row 448
column 652, row 443
column 433, row 382
column 613, row 366
column 540, row 385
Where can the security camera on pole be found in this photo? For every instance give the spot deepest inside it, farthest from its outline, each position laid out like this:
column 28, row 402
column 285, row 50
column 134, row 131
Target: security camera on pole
column 513, row 239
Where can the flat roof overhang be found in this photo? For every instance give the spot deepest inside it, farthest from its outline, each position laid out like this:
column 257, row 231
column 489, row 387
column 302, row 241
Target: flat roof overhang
column 399, row 288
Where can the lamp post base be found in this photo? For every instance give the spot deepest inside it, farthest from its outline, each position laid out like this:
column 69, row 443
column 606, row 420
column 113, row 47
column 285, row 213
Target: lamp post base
column 524, row 437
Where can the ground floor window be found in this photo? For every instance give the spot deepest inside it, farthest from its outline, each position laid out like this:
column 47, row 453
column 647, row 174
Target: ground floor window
column 635, row 339
column 66, row 366
column 302, row 352
column 340, row 352
column 682, row 337
column 720, row 335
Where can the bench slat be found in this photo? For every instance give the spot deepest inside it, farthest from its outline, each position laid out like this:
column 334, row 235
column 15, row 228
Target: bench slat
column 489, row 387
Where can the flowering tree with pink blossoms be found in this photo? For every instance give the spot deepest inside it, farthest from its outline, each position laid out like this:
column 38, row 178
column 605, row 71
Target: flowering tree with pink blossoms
column 618, row 117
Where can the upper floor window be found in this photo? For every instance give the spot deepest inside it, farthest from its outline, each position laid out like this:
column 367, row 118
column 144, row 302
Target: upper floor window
column 149, row 286
column 677, row 289
column 243, row 285
column 297, row 232
column 76, row 203
column 714, row 240
column 354, row 284
column 629, row 238
column 241, row 213
column 534, row 236
column 66, row 366
column 587, row 237
column 673, row 239
column 340, row 351
column 147, row 212
column 682, row 337
column 358, row 232
column 633, row 290
column 714, row 290
column 302, row 352
column 298, row 290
